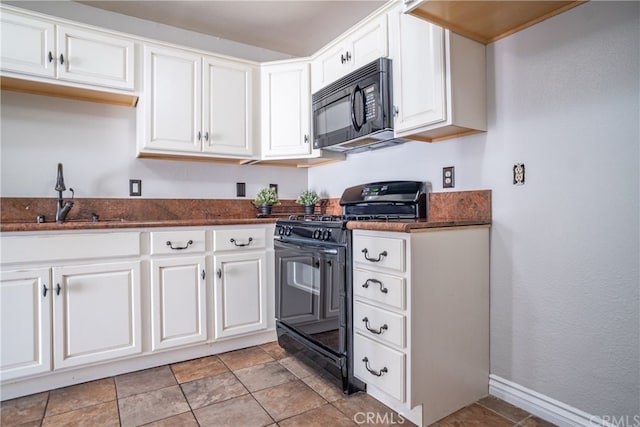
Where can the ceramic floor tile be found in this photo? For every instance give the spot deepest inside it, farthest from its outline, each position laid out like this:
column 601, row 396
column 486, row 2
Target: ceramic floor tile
column 144, row 381
column 213, row 389
column 288, row 399
column 246, row 357
column 533, row 421
column 363, row 408
column 274, row 350
column 103, row 415
column 259, row 377
column 240, row 411
column 503, row 408
column 79, row 396
column 323, row 416
column 155, row 405
column 474, row 415
column 329, row 388
column 198, row 368
column 23, row 409
column 300, row 365
column 185, row 419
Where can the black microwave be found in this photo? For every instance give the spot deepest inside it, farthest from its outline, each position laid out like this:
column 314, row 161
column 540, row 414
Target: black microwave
column 355, row 112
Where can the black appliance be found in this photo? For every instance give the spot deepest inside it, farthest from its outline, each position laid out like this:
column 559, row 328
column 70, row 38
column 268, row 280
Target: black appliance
column 314, row 288
column 355, row 112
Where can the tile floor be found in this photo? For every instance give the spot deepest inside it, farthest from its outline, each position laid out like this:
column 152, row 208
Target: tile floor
column 257, row 386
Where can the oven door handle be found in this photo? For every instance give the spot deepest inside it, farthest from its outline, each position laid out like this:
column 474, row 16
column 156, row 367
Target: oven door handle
column 325, row 251
column 354, row 120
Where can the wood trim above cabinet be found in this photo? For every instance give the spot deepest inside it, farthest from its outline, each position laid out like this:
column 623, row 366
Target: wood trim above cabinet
column 69, row 92
column 488, row 21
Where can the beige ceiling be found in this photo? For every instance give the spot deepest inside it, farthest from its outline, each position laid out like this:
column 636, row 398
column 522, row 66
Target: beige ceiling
column 297, row 28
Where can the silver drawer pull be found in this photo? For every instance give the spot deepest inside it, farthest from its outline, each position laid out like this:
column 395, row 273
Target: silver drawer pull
column 382, row 254
column 377, row 282
column 179, row 248
column 241, row 244
column 374, row 331
column 371, row 371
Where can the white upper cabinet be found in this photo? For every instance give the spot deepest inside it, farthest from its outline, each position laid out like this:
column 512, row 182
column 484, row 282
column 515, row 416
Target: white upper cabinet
column 351, row 51
column 173, row 99
column 94, row 58
column 227, row 105
column 195, row 105
column 439, row 80
column 27, row 44
column 37, row 47
column 286, row 110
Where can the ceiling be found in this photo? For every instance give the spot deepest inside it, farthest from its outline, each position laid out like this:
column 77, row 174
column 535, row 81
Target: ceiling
column 297, row 28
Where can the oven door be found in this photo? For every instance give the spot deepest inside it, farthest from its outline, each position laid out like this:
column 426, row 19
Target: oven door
column 310, row 293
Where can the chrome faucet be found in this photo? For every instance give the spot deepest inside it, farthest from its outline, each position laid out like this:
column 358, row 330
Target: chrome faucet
column 63, row 207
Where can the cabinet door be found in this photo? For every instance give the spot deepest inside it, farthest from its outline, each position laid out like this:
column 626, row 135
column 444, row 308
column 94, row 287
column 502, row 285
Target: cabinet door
column 365, row 44
column 95, row 58
column 173, row 96
column 227, row 115
column 368, row 43
column 26, row 45
column 240, row 293
column 178, row 302
column 286, row 107
column 96, row 313
column 25, row 327
column 419, row 79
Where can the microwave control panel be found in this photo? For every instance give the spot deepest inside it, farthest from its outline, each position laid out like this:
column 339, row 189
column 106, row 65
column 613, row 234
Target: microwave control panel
column 370, row 102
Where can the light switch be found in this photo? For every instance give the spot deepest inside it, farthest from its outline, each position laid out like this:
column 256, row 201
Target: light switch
column 135, row 187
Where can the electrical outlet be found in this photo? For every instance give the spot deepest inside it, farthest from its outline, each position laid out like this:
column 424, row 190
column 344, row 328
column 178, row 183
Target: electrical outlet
column 241, row 189
column 274, row 186
column 448, row 177
column 135, row 187
column 518, row 174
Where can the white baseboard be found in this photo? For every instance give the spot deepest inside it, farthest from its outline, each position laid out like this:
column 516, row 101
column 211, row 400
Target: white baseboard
column 542, row 406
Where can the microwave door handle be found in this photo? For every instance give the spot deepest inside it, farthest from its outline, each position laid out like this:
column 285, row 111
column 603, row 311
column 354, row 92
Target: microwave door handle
column 354, row 121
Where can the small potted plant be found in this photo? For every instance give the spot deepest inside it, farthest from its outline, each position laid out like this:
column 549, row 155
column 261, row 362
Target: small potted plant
column 265, row 199
column 308, row 199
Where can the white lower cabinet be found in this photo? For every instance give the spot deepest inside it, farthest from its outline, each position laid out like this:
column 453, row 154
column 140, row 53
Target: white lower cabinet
column 178, row 301
column 97, row 313
column 240, row 293
column 421, row 318
column 25, row 323
column 85, row 305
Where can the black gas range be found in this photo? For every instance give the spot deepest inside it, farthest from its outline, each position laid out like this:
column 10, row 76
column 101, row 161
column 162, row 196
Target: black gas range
column 313, row 264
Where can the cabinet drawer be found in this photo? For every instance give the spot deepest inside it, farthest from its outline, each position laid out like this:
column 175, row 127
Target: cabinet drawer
column 379, row 252
column 378, row 324
column 239, row 239
column 177, row 242
column 380, row 366
column 379, row 287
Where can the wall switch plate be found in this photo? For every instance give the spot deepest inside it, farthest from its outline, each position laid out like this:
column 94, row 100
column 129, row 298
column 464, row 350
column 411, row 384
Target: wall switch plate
column 448, row 177
column 274, row 187
column 135, row 187
column 518, row 174
column 240, row 189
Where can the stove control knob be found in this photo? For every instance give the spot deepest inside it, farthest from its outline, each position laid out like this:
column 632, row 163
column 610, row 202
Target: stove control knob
column 317, row 234
column 281, row 230
column 288, row 231
column 326, row 234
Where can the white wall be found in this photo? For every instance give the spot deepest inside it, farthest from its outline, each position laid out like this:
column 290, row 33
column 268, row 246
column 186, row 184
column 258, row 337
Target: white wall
column 97, row 145
column 564, row 100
